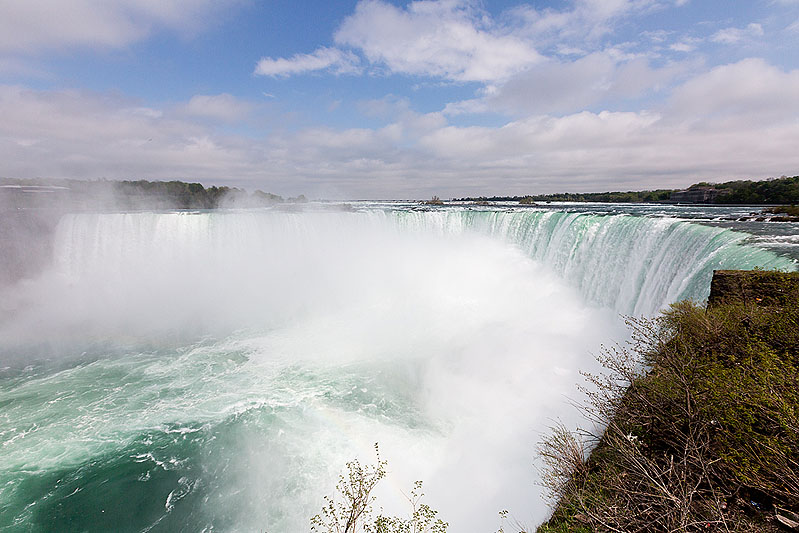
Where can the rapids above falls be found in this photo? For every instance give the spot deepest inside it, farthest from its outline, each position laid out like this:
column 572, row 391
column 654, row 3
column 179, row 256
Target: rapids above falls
column 213, row 371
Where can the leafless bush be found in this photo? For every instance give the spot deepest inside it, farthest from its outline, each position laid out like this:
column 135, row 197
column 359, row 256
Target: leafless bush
column 701, row 427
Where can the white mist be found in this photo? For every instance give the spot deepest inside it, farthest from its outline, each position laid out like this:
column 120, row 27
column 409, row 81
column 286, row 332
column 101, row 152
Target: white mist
column 295, row 341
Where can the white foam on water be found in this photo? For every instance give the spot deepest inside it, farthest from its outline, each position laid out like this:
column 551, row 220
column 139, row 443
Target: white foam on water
column 452, row 338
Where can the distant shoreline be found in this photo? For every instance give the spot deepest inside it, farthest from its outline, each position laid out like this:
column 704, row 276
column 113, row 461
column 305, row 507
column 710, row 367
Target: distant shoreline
column 177, row 194
column 772, row 192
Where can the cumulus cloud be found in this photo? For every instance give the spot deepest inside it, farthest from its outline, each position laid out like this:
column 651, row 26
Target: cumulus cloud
column 580, row 151
column 750, row 91
column 535, row 136
column 737, row 120
column 683, row 46
column 87, row 135
column 338, row 61
column 586, row 22
column 455, row 40
column 560, row 74
column 568, row 86
column 736, row 35
column 35, row 25
column 447, row 39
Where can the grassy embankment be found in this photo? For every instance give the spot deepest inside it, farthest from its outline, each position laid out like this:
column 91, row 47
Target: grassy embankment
column 704, row 436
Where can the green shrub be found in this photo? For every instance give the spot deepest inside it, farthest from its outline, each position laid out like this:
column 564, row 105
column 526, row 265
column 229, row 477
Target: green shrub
column 701, row 418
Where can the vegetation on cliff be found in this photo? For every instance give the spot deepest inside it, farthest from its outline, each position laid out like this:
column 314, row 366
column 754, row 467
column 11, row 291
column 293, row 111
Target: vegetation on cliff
column 782, row 190
column 138, row 194
column 701, row 413
column 660, row 195
column 176, row 194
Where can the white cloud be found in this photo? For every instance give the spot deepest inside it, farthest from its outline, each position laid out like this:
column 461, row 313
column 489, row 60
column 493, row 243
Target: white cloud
column 582, row 25
column 737, row 120
column 34, row 25
column 456, row 40
column 533, row 137
column 447, row 39
column 736, row 35
column 564, row 87
column 750, row 91
column 657, row 36
column 581, row 151
column 338, row 61
column 88, row 135
column 558, row 87
column 683, row 46
column 223, row 107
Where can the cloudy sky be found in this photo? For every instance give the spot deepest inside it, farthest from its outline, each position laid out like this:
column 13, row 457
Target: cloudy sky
column 394, row 99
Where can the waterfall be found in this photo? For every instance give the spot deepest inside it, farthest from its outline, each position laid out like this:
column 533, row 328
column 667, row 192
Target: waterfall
column 632, row 264
column 215, row 371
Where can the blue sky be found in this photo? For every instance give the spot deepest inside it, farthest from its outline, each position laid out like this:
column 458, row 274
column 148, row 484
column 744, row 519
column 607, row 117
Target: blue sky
column 379, row 99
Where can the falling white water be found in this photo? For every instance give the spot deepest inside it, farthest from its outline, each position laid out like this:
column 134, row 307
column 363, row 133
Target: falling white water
column 636, row 265
column 214, row 371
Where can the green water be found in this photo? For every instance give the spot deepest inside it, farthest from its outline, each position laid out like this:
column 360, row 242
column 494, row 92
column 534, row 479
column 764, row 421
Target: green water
column 215, row 371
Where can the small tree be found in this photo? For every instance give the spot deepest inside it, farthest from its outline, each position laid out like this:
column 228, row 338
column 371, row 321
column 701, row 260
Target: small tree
column 352, row 510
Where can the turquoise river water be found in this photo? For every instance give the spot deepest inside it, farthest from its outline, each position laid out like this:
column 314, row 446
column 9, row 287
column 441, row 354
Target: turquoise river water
column 214, row 371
